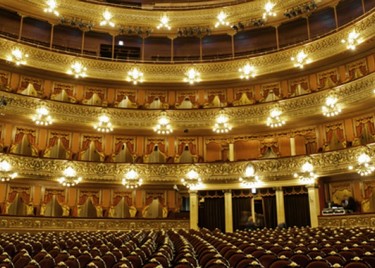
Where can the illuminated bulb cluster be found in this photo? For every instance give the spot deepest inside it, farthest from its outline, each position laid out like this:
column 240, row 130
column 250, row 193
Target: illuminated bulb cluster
column 307, row 175
column 300, row 60
column 42, row 117
column 70, row 178
column 221, row 125
column 274, row 120
column 51, row 7
column 222, row 19
column 107, row 16
column 77, row 70
column 164, row 23
column 352, row 40
column 247, row 71
column 268, row 10
column 250, row 180
column 17, row 56
column 135, row 76
column 192, row 76
column 104, row 124
column 163, row 127
column 5, row 172
column 131, row 179
column 192, row 180
column 364, row 165
column 331, row 107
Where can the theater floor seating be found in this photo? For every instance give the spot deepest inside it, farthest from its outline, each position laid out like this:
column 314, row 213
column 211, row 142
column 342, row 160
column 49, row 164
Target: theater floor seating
column 274, row 248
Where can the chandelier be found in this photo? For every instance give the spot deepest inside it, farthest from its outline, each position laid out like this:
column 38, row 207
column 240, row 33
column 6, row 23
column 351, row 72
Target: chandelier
column 107, row 16
column 222, row 19
column 70, row 177
column 274, row 120
column 5, row 171
column 135, row 76
column 192, row 76
column 307, row 175
column 164, row 23
column 104, row 124
column 352, row 40
column 331, row 107
column 17, row 56
column 51, row 7
column 42, row 116
column 77, row 70
column 192, row 180
column 247, row 71
column 131, row 179
column 221, row 125
column 268, row 10
column 364, row 166
column 163, row 127
column 250, row 180
column 300, row 60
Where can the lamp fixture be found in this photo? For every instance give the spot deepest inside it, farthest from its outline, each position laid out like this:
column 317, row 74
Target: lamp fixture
column 274, row 120
column 307, row 175
column 104, row 124
column 331, row 107
column 300, row 60
column 51, row 7
column 131, row 179
column 250, row 180
column 364, row 166
column 268, row 10
column 135, row 76
column 17, row 56
column 107, row 16
column 5, row 171
column 192, row 180
column 222, row 19
column 352, row 40
column 77, row 70
column 164, row 23
column 42, row 116
column 192, row 76
column 163, row 126
column 70, row 177
column 247, row 71
column 221, row 124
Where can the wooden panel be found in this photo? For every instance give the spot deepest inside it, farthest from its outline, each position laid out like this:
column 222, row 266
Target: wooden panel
column 67, row 38
column 322, row 22
column 348, row 10
column 217, row 46
column 157, row 48
column 186, row 48
column 36, row 31
column 293, row 32
column 9, row 23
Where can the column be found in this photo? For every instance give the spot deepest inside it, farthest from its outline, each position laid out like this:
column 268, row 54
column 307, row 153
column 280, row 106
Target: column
column 200, row 48
column 51, row 36
column 292, row 146
column 143, row 48
column 277, row 37
column 113, row 46
column 194, row 210
column 228, row 211
column 21, row 27
column 314, row 206
column 83, row 42
column 280, row 208
column 232, row 42
column 336, row 20
column 231, row 152
column 308, row 28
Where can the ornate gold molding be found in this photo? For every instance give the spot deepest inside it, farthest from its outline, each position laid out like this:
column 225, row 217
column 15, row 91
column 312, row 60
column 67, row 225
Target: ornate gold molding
column 347, row 221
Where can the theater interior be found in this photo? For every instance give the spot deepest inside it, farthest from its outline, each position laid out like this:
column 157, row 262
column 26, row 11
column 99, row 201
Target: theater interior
column 187, row 133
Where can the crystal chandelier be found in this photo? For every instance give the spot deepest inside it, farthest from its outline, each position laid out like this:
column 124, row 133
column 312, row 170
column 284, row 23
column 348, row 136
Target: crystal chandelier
column 163, row 126
column 107, row 16
column 51, row 7
column 364, row 166
column 42, row 116
column 247, row 71
column 274, row 120
column 164, row 23
column 221, row 124
column 104, row 124
column 300, row 60
column 222, row 19
column 192, row 76
column 17, row 56
column 5, row 171
column 192, row 180
column 135, row 76
column 352, row 40
column 268, row 10
column 131, row 179
column 331, row 107
column 250, row 180
column 307, row 175
column 70, row 177
column 77, row 70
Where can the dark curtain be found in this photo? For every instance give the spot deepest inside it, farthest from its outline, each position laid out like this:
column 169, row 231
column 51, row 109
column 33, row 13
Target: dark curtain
column 211, row 214
column 297, row 211
column 270, row 216
column 241, row 209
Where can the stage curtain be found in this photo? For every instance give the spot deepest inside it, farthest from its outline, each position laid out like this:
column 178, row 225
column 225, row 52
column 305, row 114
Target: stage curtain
column 270, row 216
column 297, row 212
column 239, row 206
column 211, row 214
